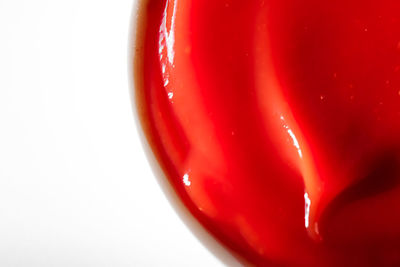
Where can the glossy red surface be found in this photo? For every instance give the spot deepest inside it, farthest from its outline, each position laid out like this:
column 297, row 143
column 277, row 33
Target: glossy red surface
column 278, row 124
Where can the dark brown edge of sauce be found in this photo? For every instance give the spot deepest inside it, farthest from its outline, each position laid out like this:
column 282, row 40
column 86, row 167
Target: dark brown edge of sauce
column 135, row 66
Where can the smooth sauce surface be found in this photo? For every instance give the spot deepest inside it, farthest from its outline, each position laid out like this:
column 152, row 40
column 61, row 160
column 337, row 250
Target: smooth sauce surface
column 278, row 124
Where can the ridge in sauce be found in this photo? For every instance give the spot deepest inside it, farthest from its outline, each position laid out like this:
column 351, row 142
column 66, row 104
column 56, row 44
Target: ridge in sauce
column 277, row 122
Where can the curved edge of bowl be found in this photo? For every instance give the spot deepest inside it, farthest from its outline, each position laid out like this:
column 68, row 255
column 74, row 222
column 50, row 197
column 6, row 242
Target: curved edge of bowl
column 135, row 59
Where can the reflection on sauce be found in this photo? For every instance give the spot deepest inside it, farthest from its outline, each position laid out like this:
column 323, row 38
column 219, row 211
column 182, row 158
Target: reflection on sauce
column 278, row 124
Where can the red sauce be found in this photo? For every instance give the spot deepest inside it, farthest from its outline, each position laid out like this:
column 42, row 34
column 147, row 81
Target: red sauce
column 278, row 124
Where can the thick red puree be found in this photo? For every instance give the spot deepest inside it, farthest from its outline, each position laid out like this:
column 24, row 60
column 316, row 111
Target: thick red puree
column 277, row 122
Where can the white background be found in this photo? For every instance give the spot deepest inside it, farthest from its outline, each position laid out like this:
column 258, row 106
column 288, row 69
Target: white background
column 75, row 186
